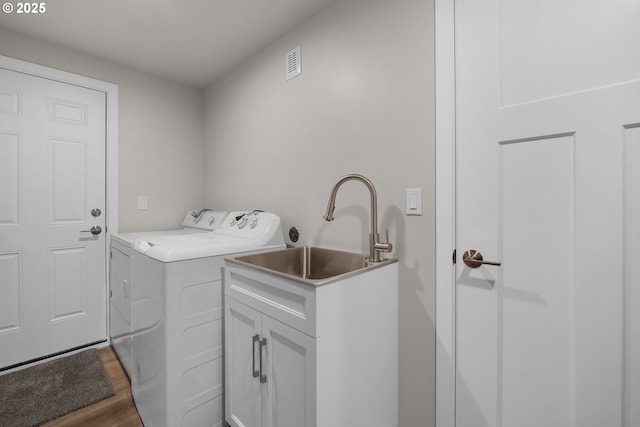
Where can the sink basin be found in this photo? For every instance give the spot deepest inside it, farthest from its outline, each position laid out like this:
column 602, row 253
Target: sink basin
column 311, row 265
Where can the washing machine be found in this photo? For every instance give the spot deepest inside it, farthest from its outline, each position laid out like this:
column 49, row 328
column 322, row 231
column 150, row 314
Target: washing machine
column 177, row 318
column 202, row 221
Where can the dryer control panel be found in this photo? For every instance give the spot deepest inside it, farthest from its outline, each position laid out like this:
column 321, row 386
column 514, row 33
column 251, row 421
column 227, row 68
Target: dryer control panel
column 204, row 219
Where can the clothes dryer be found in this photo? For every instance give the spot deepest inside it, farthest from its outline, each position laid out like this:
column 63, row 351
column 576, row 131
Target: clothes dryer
column 177, row 318
column 202, row 221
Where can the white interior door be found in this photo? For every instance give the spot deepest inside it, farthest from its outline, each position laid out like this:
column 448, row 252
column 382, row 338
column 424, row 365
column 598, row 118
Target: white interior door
column 548, row 184
column 52, row 176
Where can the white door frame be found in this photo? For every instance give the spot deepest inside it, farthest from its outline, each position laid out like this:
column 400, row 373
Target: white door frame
column 445, row 212
column 111, row 93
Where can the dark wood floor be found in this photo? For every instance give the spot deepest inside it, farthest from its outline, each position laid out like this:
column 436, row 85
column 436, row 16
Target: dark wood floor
column 116, row 411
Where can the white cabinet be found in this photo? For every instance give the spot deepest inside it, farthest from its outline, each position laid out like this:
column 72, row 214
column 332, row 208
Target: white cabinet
column 303, row 356
column 270, row 370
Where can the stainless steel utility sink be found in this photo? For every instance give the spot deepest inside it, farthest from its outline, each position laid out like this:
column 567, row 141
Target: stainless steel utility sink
column 312, row 265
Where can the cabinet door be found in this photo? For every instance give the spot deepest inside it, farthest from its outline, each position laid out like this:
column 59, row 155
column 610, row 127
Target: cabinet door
column 289, row 393
column 119, row 284
column 120, row 308
column 242, row 389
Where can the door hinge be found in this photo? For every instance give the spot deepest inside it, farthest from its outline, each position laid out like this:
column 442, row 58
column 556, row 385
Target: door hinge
column 453, row 257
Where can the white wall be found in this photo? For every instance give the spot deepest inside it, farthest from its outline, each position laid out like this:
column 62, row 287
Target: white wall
column 363, row 104
column 160, row 134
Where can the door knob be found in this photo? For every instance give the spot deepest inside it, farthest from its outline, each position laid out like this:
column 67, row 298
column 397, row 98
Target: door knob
column 473, row 259
column 95, row 230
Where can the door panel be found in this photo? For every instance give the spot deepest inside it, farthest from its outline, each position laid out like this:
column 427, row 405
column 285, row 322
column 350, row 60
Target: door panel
column 553, row 48
column 9, row 178
column 66, row 284
column 67, row 181
column 290, row 359
column 534, row 295
column 52, row 170
column 243, row 395
column 548, row 106
column 10, row 268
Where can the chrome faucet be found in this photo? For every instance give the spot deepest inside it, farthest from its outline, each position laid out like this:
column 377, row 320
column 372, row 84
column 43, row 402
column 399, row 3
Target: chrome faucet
column 375, row 246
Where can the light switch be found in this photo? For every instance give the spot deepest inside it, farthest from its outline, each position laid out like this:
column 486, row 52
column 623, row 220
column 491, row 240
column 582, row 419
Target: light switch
column 413, row 201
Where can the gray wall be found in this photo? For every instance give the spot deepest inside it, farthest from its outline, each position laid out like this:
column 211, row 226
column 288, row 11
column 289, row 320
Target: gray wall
column 363, row 104
column 161, row 134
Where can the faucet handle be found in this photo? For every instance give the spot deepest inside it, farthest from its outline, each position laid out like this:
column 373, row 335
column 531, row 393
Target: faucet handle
column 386, row 246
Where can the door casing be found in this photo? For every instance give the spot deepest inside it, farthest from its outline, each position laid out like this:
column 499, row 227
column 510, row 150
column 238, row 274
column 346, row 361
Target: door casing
column 445, row 213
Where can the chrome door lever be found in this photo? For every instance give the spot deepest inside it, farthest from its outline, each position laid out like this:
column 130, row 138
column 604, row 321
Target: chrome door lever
column 473, row 259
column 95, row 230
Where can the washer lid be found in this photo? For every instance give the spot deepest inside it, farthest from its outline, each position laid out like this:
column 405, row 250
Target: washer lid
column 261, row 230
column 191, row 246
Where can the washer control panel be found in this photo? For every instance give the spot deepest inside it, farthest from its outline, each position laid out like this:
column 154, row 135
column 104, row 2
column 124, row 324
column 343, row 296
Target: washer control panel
column 255, row 224
column 246, row 219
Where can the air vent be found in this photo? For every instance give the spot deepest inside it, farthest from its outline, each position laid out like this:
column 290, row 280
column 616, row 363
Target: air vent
column 293, row 63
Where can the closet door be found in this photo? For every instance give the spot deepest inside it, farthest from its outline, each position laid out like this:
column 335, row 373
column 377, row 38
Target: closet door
column 547, row 166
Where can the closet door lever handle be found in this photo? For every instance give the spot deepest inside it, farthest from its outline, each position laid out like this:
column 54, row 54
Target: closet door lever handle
column 473, row 259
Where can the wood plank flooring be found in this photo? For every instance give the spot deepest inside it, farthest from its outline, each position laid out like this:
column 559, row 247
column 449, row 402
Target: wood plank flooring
column 116, row 411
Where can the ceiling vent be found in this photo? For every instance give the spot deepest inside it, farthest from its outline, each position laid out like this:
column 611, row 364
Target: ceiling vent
column 293, row 63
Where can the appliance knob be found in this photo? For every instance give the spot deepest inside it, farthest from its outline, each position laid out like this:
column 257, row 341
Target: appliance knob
column 253, row 223
column 242, row 222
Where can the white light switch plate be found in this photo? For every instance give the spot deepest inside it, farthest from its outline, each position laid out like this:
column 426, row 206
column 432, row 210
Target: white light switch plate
column 413, row 201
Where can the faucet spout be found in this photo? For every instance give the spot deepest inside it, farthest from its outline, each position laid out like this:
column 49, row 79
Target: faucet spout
column 375, row 246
